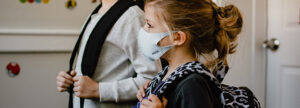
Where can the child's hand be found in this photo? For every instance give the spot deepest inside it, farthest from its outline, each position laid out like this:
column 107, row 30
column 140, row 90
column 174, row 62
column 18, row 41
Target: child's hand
column 141, row 93
column 154, row 102
column 64, row 80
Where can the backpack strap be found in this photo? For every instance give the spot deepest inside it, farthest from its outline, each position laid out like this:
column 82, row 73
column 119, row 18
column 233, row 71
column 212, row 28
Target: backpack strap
column 99, row 34
column 74, row 53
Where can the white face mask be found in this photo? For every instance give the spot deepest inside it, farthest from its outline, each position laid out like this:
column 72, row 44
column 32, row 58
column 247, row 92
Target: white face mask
column 148, row 44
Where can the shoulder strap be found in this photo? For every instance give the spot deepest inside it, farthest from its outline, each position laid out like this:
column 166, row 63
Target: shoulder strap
column 74, row 53
column 76, row 48
column 99, row 34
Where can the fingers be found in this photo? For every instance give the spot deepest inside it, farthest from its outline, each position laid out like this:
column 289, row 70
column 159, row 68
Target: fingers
column 73, row 73
column 146, row 103
column 77, row 86
column 144, row 106
column 146, row 84
column 77, row 91
column 65, row 75
column 63, row 81
column 153, row 102
column 143, row 88
column 81, row 80
column 63, row 85
column 77, row 78
column 139, row 94
column 85, row 87
column 164, row 101
column 60, row 89
column 142, row 91
column 153, row 98
column 76, row 83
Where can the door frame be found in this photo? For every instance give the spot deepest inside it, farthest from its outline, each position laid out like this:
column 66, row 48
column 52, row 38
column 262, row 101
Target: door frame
column 259, row 54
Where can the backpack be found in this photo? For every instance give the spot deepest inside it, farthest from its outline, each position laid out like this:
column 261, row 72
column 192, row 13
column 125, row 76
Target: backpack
column 231, row 96
column 238, row 97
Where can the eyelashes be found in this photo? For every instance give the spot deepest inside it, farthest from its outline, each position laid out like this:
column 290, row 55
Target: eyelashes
column 149, row 25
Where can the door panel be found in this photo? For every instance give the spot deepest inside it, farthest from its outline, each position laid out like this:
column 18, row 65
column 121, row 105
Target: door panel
column 290, row 78
column 283, row 70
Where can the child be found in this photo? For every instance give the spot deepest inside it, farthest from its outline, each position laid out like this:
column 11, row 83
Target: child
column 108, row 67
column 185, row 32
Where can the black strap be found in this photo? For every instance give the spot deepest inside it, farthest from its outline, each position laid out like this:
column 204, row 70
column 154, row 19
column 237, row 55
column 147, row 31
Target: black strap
column 96, row 40
column 98, row 36
column 74, row 52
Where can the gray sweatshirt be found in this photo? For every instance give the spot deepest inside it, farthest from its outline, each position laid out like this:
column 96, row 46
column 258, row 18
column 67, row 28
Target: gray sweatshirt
column 119, row 60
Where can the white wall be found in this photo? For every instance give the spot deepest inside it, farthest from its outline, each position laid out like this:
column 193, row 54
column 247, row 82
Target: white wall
column 53, row 17
column 35, row 86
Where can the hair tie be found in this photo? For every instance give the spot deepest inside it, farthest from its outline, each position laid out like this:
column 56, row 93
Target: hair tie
column 219, row 10
column 215, row 13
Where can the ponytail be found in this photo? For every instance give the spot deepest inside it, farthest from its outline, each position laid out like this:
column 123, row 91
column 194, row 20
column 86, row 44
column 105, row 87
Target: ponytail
column 230, row 25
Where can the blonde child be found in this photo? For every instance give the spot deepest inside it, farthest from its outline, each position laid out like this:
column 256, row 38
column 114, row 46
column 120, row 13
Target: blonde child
column 187, row 33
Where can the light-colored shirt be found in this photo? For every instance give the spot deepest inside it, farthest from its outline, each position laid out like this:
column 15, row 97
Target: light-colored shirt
column 119, row 60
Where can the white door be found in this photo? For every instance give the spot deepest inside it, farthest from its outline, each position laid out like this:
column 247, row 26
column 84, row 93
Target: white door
column 283, row 68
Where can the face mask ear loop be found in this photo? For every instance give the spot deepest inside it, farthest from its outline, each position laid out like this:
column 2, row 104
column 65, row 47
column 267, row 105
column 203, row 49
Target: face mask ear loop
column 166, row 36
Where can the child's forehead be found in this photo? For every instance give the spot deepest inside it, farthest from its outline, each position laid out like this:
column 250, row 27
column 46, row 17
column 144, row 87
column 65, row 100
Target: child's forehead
column 151, row 14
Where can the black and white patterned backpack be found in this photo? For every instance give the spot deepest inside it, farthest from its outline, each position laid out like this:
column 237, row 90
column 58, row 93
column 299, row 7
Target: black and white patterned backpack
column 230, row 96
column 234, row 97
column 238, row 97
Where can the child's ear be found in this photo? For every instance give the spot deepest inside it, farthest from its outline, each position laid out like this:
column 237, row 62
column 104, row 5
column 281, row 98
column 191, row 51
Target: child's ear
column 179, row 38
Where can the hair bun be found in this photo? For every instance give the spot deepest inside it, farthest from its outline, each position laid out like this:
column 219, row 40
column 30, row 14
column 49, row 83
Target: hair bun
column 231, row 21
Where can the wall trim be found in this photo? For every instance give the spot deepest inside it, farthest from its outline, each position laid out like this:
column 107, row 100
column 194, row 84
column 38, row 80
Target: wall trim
column 37, row 41
column 39, row 32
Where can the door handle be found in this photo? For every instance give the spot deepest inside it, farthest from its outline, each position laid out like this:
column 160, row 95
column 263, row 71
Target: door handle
column 272, row 44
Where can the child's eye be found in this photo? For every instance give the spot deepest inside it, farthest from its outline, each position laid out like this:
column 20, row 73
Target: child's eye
column 149, row 25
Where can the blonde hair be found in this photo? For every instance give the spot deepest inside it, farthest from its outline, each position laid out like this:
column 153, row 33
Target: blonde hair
column 209, row 27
